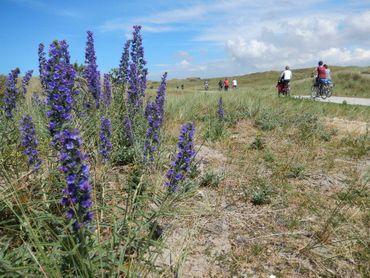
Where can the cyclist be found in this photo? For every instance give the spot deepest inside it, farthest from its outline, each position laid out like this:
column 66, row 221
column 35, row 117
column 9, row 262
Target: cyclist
column 206, row 85
column 328, row 75
column 321, row 73
column 285, row 78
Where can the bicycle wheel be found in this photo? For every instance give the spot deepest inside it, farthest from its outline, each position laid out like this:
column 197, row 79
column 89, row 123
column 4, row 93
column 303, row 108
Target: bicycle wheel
column 324, row 91
column 330, row 91
column 288, row 90
column 313, row 91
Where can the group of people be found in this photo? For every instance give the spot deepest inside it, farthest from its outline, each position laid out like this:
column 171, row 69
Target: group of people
column 224, row 85
column 322, row 75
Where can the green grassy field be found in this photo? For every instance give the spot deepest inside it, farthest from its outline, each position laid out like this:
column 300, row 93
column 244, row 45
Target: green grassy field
column 280, row 186
column 349, row 81
column 284, row 187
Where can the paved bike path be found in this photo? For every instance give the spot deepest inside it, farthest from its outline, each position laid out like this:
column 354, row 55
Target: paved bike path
column 348, row 100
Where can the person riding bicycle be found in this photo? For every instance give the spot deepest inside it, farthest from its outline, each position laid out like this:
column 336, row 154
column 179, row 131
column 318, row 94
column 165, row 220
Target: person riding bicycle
column 285, row 78
column 328, row 75
column 321, row 74
column 206, row 85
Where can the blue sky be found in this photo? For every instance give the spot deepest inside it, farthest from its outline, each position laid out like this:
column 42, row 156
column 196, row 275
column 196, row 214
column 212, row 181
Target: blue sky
column 192, row 38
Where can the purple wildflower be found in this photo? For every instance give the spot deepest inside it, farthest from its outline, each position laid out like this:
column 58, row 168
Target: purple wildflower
column 11, row 93
column 181, row 166
column 105, row 136
column 136, row 74
column 154, row 113
column 106, row 96
column 220, row 110
column 137, row 57
column 26, row 79
column 42, row 63
column 128, row 133
column 77, row 193
column 160, row 98
column 91, row 73
column 124, row 64
column 134, row 99
column 29, row 141
column 151, row 138
column 59, row 81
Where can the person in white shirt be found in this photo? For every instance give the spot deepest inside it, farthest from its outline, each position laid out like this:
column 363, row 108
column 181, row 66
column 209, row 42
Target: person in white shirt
column 235, row 84
column 284, row 80
column 286, row 75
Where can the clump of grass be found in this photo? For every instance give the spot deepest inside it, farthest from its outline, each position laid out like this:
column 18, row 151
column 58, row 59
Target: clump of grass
column 262, row 196
column 211, row 179
column 268, row 157
column 296, row 172
column 357, row 146
column 269, row 120
column 257, row 144
column 259, row 192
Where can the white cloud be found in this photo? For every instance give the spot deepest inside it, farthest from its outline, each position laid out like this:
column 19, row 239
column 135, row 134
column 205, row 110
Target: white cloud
column 263, row 35
column 184, row 63
column 253, row 49
column 344, row 56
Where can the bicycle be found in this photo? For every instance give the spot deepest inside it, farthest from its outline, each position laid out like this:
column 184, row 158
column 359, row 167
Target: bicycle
column 283, row 89
column 323, row 89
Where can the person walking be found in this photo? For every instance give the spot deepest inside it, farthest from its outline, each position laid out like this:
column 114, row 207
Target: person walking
column 226, row 84
column 220, row 85
column 235, row 83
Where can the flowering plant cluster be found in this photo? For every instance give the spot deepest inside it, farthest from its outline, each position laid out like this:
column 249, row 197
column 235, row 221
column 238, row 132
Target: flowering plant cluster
column 29, row 141
column 137, row 57
column 42, row 63
column 128, row 133
column 154, row 113
column 105, row 138
column 91, row 73
column 136, row 74
column 26, row 79
column 124, row 63
column 59, row 81
column 77, row 193
column 11, row 93
column 181, row 165
column 220, row 110
column 106, row 97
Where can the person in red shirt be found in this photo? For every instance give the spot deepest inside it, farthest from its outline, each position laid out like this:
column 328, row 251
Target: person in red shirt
column 226, row 84
column 321, row 73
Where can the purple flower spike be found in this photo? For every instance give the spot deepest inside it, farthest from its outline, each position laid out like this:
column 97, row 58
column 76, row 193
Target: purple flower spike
column 91, row 73
column 105, row 136
column 181, row 165
column 220, row 110
column 77, row 194
column 106, row 96
column 154, row 113
column 136, row 74
column 29, row 141
column 42, row 63
column 124, row 64
column 11, row 93
column 59, row 81
column 128, row 133
column 26, row 79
